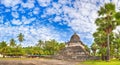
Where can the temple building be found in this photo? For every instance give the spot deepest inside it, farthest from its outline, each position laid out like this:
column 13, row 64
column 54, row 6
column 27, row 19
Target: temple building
column 74, row 41
column 74, row 49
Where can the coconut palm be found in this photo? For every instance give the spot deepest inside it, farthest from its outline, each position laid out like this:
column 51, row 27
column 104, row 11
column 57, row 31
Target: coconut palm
column 107, row 21
column 3, row 44
column 100, row 40
column 94, row 48
column 3, row 48
column 20, row 38
column 12, row 43
column 40, row 43
column 117, row 43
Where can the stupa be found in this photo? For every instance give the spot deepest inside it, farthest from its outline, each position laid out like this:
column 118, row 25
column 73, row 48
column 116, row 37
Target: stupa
column 75, row 41
column 74, row 50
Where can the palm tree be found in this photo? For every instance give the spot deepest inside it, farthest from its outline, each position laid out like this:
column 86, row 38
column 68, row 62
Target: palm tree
column 107, row 21
column 40, row 43
column 20, row 38
column 3, row 44
column 12, row 43
column 94, row 48
column 3, row 48
column 100, row 40
column 117, row 43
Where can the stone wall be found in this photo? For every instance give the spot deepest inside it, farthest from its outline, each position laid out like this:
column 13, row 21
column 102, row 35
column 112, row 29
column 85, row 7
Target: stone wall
column 77, row 58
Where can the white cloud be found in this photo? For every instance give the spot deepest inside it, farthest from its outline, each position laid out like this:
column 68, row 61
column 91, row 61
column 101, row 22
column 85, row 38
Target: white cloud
column 117, row 4
column 50, row 11
column 82, row 26
column 26, row 20
column 64, row 2
column 10, row 3
column 56, row 5
column 15, row 14
column 14, row 8
column 53, row 10
column 57, row 18
column 21, row 9
column 117, row 29
column 28, row 4
column 36, row 10
column 16, row 22
column 44, row 3
column 31, row 33
column 81, row 17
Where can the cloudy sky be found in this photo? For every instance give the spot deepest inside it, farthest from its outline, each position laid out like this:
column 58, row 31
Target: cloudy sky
column 49, row 19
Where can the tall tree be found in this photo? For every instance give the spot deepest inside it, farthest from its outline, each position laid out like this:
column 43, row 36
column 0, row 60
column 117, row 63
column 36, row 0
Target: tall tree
column 117, row 43
column 52, row 47
column 3, row 48
column 40, row 43
column 100, row 40
column 20, row 37
column 12, row 43
column 94, row 48
column 107, row 21
column 3, row 44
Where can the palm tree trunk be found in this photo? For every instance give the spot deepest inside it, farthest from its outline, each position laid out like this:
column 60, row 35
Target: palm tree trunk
column 108, row 48
column 94, row 53
column 103, row 57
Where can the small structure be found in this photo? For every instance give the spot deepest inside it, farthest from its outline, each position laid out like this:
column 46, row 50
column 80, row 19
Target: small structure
column 74, row 50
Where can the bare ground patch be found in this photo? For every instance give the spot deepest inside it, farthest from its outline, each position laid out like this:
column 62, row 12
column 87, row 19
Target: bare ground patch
column 37, row 62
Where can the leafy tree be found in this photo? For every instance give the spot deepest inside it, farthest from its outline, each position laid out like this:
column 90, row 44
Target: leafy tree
column 100, row 40
column 52, row 47
column 40, row 43
column 61, row 46
column 87, row 49
column 94, row 48
column 12, row 43
column 3, row 44
column 117, row 44
column 3, row 48
column 20, row 37
column 28, row 50
column 107, row 21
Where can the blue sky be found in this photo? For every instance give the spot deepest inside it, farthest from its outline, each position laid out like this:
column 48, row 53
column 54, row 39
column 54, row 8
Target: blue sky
column 49, row 19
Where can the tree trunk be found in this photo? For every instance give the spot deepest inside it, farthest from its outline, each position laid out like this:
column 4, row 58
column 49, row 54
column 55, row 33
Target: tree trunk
column 94, row 52
column 103, row 57
column 108, row 48
column 117, row 53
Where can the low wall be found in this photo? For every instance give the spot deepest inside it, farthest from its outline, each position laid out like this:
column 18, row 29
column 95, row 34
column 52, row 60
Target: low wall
column 77, row 58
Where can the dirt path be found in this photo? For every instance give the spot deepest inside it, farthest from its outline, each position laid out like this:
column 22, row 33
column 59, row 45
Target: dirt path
column 37, row 62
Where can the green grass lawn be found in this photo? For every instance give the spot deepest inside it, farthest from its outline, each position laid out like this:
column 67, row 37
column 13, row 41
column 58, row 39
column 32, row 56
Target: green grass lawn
column 112, row 62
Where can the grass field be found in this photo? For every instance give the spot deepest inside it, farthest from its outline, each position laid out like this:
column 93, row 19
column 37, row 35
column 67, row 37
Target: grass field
column 112, row 62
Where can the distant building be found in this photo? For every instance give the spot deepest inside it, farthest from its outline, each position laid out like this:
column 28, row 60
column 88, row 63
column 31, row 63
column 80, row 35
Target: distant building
column 74, row 50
